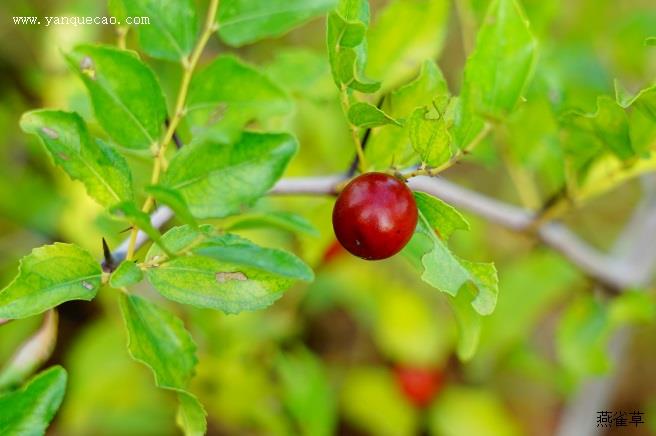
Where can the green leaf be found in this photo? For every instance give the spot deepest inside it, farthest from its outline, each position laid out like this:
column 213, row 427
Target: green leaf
column 129, row 211
column 442, row 217
column 49, row 276
column 227, row 94
column 631, row 307
column 419, row 30
column 125, row 94
column 127, row 274
column 235, row 249
column 587, row 326
column 582, row 336
column 246, row 21
column 218, row 180
column 349, row 34
column 172, row 29
column 347, row 47
column 102, row 170
column 303, row 72
column 498, row 70
column 429, row 134
column 373, row 402
column 205, row 282
column 159, row 340
column 283, row 220
column 307, row 393
column 644, row 100
column 180, row 240
column 175, row 201
column 607, row 172
column 407, row 329
column 469, row 323
column 28, row 411
column 353, row 33
column 448, row 273
column 116, row 8
column 525, row 309
column 452, row 413
column 641, row 109
column 191, row 417
column 472, row 287
column 366, row 115
column 225, row 272
column 609, row 126
column 389, row 145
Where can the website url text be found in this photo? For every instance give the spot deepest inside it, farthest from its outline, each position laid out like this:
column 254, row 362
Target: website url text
column 79, row 21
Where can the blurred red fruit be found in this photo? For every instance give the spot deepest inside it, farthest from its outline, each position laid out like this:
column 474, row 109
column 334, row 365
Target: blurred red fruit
column 333, row 251
column 420, row 385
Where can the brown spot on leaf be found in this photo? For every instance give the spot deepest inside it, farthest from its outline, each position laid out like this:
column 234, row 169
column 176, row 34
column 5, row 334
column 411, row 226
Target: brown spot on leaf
column 50, row 133
column 63, row 156
column 222, row 277
column 217, row 114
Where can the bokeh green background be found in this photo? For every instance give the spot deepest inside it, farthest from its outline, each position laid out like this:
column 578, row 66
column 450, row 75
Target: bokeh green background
column 320, row 361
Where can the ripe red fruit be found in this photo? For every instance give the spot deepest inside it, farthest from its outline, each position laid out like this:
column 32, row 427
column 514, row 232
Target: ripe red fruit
column 375, row 216
column 419, row 384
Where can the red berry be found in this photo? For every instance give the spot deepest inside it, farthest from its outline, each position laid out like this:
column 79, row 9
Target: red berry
column 333, row 251
column 375, row 216
column 419, row 384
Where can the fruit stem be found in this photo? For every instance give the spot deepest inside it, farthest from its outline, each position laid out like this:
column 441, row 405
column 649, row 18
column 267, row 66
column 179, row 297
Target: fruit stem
column 188, row 65
column 344, row 97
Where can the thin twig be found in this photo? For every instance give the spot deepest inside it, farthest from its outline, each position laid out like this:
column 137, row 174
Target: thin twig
column 344, row 99
column 189, row 65
column 612, row 273
column 158, row 218
column 365, row 140
column 615, row 274
column 487, row 128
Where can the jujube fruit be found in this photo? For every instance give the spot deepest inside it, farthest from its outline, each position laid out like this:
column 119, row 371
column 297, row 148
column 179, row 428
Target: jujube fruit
column 419, row 385
column 375, row 216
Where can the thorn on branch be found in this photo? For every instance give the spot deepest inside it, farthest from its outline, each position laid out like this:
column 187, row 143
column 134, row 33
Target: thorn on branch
column 176, row 138
column 109, row 263
column 558, row 196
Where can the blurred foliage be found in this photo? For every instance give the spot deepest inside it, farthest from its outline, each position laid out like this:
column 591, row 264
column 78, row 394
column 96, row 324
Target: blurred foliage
column 319, row 361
